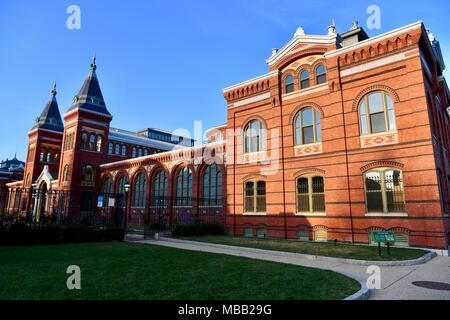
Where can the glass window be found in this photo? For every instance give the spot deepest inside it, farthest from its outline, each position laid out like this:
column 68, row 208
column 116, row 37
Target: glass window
column 321, row 74
column 124, row 150
column 304, row 79
column 84, row 140
column 307, row 127
column 99, row 143
column 255, row 197
column 117, row 149
column 376, row 113
column 134, row 152
column 88, row 174
column 120, row 190
column 384, row 191
column 139, row 190
column 159, row 188
column 289, row 84
column 310, row 195
column 184, row 187
column 254, row 137
column 212, row 186
column 92, row 142
column 110, row 148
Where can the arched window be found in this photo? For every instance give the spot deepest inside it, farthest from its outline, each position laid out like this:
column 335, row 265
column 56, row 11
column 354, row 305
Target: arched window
column 321, row 74
column 107, row 186
column 183, row 186
column 212, row 186
column 289, row 84
column 159, row 188
column 49, row 156
column 84, row 140
column 88, row 174
column 384, row 191
column 124, row 150
column 139, row 190
column 42, row 155
column 120, row 190
column 56, row 157
column 117, row 149
column 66, row 173
column 310, row 195
column 139, row 152
column 307, row 127
column 255, row 197
column 133, row 155
column 376, row 113
column 110, row 148
column 253, row 137
column 304, row 79
column 92, row 142
column 145, row 152
column 99, row 143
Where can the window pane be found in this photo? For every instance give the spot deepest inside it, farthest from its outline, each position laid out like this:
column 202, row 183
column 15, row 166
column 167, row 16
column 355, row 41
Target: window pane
column 394, row 191
column 318, row 195
column 249, row 189
column 303, row 195
column 321, row 79
column 391, row 115
column 261, row 188
column 376, row 102
column 298, row 131
column 377, row 122
column 308, row 135
column 374, row 196
column 318, row 129
column 307, row 117
column 363, row 124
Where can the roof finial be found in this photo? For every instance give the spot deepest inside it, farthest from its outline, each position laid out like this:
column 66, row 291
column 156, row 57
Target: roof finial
column 93, row 64
column 355, row 25
column 15, row 156
column 54, row 90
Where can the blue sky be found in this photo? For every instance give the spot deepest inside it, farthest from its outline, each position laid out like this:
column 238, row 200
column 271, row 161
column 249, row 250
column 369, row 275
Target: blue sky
column 163, row 64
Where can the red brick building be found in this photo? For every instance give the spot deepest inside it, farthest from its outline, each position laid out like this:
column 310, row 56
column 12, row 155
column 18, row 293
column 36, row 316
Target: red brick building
column 345, row 135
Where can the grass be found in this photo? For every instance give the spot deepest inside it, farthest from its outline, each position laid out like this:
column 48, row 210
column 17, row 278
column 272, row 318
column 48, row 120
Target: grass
column 134, row 271
column 347, row 251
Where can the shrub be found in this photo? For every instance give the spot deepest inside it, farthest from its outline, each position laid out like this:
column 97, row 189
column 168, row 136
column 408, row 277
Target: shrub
column 198, row 229
column 19, row 233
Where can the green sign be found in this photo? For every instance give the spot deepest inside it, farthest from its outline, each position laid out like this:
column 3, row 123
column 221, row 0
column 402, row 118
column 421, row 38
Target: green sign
column 383, row 237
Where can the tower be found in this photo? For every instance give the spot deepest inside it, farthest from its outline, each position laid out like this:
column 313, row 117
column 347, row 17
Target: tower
column 85, row 137
column 44, row 142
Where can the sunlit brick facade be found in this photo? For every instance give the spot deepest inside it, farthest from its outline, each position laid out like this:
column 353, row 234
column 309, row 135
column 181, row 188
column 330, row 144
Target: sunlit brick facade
column 345, row 135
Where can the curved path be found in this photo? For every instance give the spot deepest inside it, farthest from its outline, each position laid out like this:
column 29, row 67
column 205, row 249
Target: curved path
column 396, row 282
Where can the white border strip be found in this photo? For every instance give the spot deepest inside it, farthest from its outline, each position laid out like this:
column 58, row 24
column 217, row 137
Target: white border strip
column 245, row 83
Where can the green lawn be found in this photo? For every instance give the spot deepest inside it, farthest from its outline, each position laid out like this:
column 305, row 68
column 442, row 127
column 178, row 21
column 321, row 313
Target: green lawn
column 134, row 271
column 347, row 251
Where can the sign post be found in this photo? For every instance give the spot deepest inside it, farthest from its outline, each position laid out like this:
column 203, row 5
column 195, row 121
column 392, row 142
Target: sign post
column 387, row 237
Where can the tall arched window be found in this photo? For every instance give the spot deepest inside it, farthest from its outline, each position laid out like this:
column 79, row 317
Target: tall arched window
column 110, row 148
column 66, row 173
column 133, row 152
column 117, row 149
column 139, row 190
column 92, row 142
column 88, row 174
column 253, row 137
column 49, row 156
column 124, row 150
column 376, row 113
column 139, row 152
column 307, row 127
column 99, row 144
column 84, row 140
column 310, row 195
column 183, row 186
column 255, row 197
column 384, row 191
column 289, row 84
column 212, row 186
column 321, row 74
column 120, row 190
column 107, row 186
column 159, row 188
column 304, row 79
column 42, row 155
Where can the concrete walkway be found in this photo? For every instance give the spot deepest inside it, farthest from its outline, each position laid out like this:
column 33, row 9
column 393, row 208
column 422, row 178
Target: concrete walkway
column 396, row 282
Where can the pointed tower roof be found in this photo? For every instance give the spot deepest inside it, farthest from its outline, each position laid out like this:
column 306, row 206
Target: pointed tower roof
column 50, row 118
column 90, row 96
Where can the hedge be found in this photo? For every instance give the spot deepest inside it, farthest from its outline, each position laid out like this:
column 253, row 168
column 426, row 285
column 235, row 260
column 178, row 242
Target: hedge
column 198, row 229
column 22, row 234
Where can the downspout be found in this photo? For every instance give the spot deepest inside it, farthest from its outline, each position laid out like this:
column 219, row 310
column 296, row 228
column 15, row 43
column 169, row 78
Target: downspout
column 346, row 151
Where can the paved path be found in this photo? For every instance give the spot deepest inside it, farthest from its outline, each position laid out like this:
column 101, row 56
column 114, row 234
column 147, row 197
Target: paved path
column 396, row 282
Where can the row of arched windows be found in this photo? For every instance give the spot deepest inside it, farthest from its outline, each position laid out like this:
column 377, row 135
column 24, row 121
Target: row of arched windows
column 211, row 189
column 91, row 141
column 49, row 155
column 383, row 189
column 304, row 76
column 376, row 115
column 69, row 141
